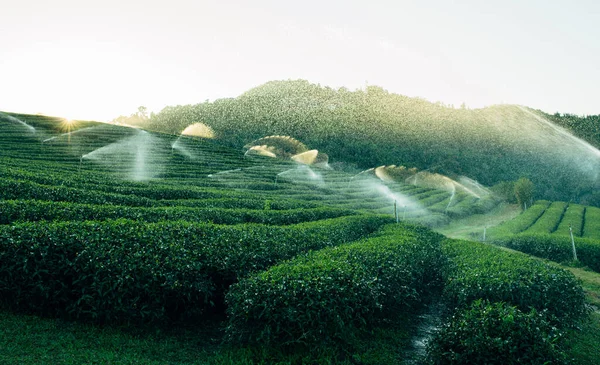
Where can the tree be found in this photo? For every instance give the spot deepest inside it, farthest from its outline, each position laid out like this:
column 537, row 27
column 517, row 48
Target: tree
column 524, row 190
column 142, row 113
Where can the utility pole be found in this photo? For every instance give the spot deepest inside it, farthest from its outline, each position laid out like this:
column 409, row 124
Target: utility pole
column 396, row 211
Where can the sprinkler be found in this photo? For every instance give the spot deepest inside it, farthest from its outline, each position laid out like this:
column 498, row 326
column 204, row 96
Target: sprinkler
column 573, row 243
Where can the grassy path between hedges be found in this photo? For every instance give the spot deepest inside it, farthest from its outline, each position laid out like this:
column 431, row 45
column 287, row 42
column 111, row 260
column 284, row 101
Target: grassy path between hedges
column 586, row 341
column 471, row 227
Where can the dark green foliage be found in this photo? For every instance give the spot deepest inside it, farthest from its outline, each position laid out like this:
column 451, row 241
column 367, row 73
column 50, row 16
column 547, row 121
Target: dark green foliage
column 480, row 271
column 556, row 248
column 34, row 210
column 506, row 191
column 497, row 333
column 524, row 192
column 132, row 271
column 585, row 127
column 333, row 294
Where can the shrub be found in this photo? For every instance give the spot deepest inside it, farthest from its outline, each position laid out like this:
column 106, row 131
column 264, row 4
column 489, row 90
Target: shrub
column 573, row 218
column 134, row 271
column 591, row 228
column 480, row 271
column 333, row 294
column 521, row 222
column 496, row 333
column 550, row 220
column 35, row 210
column 556, row 248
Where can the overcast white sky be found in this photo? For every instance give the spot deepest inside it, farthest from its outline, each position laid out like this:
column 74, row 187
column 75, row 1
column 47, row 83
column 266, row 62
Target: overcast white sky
column 100, row 59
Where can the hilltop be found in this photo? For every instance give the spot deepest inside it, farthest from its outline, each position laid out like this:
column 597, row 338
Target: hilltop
column 372, row 127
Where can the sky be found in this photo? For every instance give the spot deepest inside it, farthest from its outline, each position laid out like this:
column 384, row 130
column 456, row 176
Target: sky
column 100, row 59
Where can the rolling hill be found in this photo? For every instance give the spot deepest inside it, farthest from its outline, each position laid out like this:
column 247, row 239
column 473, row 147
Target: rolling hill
column 371, row 127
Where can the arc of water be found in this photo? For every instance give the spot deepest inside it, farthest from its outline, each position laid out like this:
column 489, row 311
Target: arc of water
column 563, row 132
column 67, row 134
column 15, row 120
column 452, row 196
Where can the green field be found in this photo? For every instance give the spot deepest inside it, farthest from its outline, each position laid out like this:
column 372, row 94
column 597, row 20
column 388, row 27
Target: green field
column 119, row 245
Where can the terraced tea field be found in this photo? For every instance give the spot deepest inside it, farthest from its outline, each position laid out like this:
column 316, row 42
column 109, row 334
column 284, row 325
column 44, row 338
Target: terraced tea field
column 106, row 224
column 545, row 228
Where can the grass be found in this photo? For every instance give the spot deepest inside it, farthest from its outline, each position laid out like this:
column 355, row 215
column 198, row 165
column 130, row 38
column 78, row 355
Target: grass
column 585, row 341
column 26, row 339
column 472, row 226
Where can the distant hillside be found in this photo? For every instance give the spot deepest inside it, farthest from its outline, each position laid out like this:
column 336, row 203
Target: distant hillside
column 373, row 127
column 586, row 127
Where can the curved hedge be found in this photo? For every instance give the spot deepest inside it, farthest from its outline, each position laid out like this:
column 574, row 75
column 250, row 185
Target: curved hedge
column 496, row 334
column 134, row 271
column 333, row 294
column 481, row 271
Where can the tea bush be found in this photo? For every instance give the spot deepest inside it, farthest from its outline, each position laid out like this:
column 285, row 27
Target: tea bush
column 573, row 217
column 556, row 248
column 521, row 222
column 481, row 271
column 591, row 228
column 333, row 294
column 550, row 220
column 34, row 210
column 135, row 271
column 496, row 333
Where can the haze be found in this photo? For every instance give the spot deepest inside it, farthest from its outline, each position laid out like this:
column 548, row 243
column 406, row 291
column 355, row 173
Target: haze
column 100, row 59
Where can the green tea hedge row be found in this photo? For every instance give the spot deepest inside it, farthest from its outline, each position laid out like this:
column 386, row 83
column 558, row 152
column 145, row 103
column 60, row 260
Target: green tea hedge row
column 573, row 218
column 432, row 199
column 591, row 228
column 333, row 294
column 485, row 204
column 35, row 210
column 521, row 222
column 15, row 189
column 550, row 220
column 481, row 271
column 496, row 334
column 25, row 190
column 443, row 205
column 555, row 247
column 135, row 271
column 463, row 208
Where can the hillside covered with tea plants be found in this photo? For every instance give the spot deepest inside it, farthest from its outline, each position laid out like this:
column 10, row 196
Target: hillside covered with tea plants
column 139, row 247
column 373, row 127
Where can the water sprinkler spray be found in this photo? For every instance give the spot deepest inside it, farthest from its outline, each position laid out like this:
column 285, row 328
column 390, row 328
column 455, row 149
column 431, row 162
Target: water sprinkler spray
column 573, row 242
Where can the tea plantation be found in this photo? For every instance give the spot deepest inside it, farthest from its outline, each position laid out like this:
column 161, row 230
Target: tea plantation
column 544, row 230
column 188, row 252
